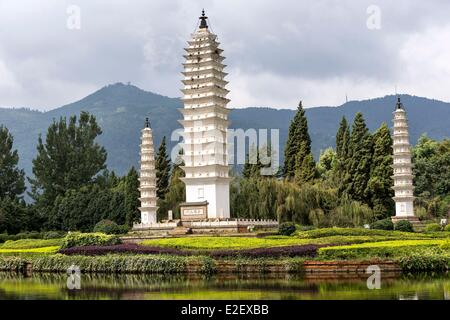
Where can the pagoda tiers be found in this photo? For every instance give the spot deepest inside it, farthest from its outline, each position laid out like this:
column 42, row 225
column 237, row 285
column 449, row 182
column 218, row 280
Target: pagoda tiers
column 205, row 122
column 403, row 176
column 147, row 178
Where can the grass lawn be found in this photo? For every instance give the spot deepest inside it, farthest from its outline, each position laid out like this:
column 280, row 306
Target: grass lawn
column 43, row 250
column 33, row 246
column 30, row 243
column 333, row 236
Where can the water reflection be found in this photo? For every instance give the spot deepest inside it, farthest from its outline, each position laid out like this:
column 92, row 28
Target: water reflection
column 101, row 286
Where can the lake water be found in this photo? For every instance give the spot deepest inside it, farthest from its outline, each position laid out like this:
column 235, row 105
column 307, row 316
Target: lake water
column 54, row 286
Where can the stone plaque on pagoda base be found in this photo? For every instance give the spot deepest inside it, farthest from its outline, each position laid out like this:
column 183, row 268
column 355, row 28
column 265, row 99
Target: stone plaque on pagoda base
column 194, row 211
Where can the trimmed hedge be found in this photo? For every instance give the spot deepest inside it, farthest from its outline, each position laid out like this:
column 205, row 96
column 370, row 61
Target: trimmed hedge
column 110, row 227
column 385, row 224
column 328, row 232
column 433, row 227
column 289, row 251
column 404, row 226
column 30, row 243
column 77, row 239
column 42, row 251
column 111, row 263
column 424, row 262
column 128, row 248
column 32, row 235
column 383, row 249
column 286, row 228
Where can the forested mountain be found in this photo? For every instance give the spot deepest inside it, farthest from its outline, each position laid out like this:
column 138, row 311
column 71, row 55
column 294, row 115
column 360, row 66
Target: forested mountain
column 121, row 109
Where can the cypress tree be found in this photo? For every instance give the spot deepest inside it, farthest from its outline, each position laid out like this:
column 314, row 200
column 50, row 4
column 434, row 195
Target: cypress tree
column 247, row 170
column 255, row 171
column 342, row 134
column 298, row 144
column 132, row 197
column 162, row 167
column 305, row 167
column 252, row 164
column 380, row 182
column 12, row 181
column 177, row 191
column 359, row 160
column 341, row 164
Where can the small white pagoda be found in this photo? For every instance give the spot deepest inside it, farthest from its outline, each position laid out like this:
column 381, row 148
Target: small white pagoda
column 147, row 178
column 205, row 122
column 403, row 175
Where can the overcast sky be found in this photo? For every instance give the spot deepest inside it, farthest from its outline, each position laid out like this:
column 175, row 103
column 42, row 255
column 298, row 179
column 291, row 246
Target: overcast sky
column 277, row 51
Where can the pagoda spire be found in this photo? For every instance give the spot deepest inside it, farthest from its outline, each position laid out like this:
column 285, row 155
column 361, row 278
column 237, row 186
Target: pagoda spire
column 203, row 18
column 399, row 104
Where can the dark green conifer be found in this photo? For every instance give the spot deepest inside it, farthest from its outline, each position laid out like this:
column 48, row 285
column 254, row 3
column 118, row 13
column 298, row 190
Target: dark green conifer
column 359, row 161
column 12, row 181
column 381, row 182
column 162, row 167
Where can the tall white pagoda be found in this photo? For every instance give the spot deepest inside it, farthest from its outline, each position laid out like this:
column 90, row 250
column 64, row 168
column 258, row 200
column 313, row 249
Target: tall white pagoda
column 205, row 122
column 147, row 179
column 403, row 175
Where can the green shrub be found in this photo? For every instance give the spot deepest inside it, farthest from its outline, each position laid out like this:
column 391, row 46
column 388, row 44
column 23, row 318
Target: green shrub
column 424, row 262
column 447, row 227
column 208, row 266
column 287, row 228
column 385, row 224
column 23, row 235
column 12, row 264
column 28, row 235
column 304, row 228
column 446, row 245
column 432, row 227
column 54, row 235
column 382, row 249
column 112, row 263
column 403, row 225
column 77, row 239
column 30, row 243
column 330, row 232
column 110, row 227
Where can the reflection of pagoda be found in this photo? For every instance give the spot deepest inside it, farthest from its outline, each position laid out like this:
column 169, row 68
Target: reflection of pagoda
column 205, row 125
column 147, row 177
column 403, row 175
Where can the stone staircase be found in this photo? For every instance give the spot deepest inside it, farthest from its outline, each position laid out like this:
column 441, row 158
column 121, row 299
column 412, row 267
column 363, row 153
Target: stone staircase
column 417, row 225
column 180, row 231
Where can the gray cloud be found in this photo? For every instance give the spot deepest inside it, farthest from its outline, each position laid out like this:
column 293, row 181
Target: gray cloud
column 277, row 51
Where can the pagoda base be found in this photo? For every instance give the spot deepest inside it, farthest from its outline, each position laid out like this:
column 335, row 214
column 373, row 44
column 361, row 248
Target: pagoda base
column 418, row 226
column 204, row 226
column 194, row 211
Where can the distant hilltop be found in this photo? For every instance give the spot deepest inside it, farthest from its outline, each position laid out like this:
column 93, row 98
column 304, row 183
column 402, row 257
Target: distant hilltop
column 121, row 110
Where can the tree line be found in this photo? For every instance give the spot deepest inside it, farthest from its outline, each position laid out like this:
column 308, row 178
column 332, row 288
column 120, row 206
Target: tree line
column 72, row 188
column 350, row 185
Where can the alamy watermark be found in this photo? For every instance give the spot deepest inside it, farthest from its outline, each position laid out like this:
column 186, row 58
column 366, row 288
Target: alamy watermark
column 73, row 278
column 374, row 280
column 205, row 146
column 373, row 21
column 73, row 21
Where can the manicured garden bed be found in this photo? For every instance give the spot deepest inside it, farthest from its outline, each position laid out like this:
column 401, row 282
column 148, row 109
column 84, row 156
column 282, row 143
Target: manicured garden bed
column 384, row 249
column 288, row 251
column 314, row 250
